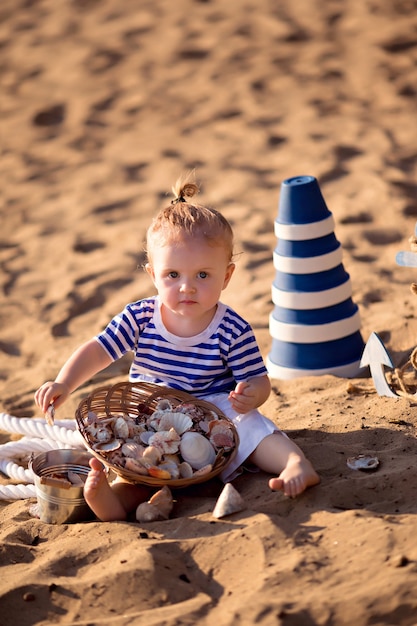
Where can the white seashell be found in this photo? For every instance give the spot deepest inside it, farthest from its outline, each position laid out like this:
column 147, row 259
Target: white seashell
column 152, row 455
column 99, row 434
column 107, row 446
column 133, row 449
column 121, row 428
column 147, row 512
column 230, row 501
column 197, row 450
column 203, row 471
column 145, row 436
column 362, row 462
column 159, row 507
column 186, row 471
column 180, row 422
column 166, row 440
column 170, row 467
column 76, row 479
column 164, row 405
column 134, row 465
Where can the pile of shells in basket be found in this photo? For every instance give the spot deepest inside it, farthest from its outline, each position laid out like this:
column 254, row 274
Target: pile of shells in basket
column 174, row 442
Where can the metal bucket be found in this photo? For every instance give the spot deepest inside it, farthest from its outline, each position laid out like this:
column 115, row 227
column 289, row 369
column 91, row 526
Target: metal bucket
column 59, row 501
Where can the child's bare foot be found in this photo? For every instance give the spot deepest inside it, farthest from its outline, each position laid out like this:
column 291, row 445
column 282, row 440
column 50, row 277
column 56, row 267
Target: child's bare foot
column 99, row 495
column 295, row 477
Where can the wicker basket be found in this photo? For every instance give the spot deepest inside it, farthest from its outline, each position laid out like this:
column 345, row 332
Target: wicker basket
column 139, row 401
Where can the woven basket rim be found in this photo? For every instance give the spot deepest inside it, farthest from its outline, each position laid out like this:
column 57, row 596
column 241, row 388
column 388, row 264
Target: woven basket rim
column 149, row 393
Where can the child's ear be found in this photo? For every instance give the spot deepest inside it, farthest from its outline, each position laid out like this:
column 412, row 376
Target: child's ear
column 149, row 269
column 229, row 271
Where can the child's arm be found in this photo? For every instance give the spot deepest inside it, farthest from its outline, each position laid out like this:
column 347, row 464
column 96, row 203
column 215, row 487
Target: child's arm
column 250, row 394
column 86, row 361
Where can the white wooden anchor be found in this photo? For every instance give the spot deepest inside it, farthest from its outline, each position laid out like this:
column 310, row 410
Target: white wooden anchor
column 376, row 356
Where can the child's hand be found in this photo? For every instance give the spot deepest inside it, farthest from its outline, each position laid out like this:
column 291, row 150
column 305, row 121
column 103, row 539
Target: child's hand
column 51, row 392
column 244, row 398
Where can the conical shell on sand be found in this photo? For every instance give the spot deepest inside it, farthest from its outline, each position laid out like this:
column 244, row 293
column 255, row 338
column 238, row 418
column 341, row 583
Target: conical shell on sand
column 229, row 501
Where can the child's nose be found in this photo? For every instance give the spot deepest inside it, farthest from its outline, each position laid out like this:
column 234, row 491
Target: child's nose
column 187, row 286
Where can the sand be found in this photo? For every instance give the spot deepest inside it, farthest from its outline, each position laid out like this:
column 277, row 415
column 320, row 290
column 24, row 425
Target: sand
column 103, row 104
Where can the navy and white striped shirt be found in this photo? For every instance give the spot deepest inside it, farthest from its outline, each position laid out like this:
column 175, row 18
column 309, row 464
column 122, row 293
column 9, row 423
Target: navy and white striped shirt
column 211, row 362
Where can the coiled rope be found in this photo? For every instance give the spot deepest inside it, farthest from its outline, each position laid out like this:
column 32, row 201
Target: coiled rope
column 38, row 437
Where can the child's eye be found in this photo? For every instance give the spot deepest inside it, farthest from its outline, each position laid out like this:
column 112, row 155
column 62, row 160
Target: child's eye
column 202, row 274
column 173, row 274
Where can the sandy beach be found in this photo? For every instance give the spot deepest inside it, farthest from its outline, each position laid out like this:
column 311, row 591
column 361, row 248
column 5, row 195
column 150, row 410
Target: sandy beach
column 103, row 105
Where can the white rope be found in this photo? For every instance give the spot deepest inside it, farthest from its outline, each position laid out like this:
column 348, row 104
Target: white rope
column 38, row 437
column 16, row 471
column 25, row 445
column 17, row 492
column 37, row 427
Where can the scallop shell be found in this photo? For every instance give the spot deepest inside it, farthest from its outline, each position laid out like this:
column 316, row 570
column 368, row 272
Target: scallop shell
column 180, row 422
column 197, row 450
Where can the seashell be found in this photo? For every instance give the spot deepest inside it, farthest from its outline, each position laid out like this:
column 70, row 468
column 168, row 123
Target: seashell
column 163, row 500
column 157, row 472
column 221, row 435
column 99, row 434
column 92, row 417
column 121, row 428
column 180, row 422
column 147, row 512
column 230, row 501
column 166, row 440
column 133, row 449
column 362, row 462
column 133, row 465
column 145, row 436
column 164, row 405
column 186, row 471
column 76, row 479
column 171, row 467
column 152, row 455
column 203, row 471
column 197, row 450
column 50, row 414
column 107, row 446
column 159, row 507
column 135, row 430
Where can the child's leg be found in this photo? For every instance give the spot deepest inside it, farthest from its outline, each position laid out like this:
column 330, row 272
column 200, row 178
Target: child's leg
column 114, row 502
column 277, row 454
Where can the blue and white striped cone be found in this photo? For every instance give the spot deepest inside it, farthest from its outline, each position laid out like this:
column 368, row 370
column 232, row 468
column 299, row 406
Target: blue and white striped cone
column 315, row 326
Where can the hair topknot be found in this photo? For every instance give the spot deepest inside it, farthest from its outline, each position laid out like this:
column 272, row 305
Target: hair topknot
column 182, row 218
column 185, row 187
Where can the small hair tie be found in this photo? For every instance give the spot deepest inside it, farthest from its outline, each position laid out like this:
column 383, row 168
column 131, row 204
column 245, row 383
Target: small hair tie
column 179, row 199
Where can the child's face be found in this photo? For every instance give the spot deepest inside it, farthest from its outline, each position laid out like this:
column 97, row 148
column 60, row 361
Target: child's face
column 189, row 276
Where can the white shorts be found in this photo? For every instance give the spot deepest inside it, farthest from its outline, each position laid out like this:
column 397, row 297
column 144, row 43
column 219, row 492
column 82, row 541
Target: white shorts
column 251, row 427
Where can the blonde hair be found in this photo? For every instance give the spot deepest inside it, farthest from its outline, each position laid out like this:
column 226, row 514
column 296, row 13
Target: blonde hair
column 185, row 219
